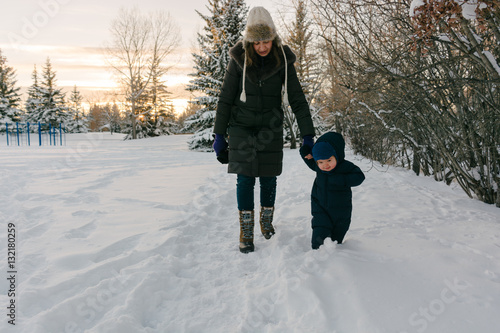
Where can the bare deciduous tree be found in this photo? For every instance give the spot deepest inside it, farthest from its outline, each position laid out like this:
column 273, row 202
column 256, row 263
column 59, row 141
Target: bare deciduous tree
column 299, row 37
column 139, row 47
column 424, row 86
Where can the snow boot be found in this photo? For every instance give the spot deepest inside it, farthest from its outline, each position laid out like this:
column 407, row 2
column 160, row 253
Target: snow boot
column 266, row 221
column 319, row 235
column 246, row 231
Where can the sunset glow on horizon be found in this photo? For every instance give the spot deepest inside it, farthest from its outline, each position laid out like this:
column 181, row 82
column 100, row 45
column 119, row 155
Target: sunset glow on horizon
column 73, row 35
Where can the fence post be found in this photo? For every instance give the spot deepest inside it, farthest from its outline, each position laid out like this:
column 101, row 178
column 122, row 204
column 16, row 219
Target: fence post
column 7, row 132
column 17, row 129
column 39, row 134
column 60, row 133
column 28, row 132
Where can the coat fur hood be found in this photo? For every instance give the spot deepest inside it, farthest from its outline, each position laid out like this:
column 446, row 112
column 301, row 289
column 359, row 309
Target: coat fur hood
column 237, row 52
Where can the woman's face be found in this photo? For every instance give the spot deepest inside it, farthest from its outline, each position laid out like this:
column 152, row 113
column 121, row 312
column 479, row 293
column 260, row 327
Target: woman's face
column 263, row 47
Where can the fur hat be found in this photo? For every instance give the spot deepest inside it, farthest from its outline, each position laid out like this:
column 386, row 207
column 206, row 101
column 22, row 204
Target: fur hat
column 260, row 26
column 323, row 150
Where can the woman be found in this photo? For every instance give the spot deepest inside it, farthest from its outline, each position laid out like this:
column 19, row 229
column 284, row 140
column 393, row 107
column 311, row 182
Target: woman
column 250, row 112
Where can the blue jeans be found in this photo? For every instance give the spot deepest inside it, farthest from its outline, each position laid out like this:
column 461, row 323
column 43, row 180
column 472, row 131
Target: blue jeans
column 245, row 192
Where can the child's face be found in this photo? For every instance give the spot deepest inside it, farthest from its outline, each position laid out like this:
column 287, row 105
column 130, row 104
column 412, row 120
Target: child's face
column 327, row 165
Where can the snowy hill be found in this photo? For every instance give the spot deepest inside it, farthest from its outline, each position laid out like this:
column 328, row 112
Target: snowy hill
column 141, row 236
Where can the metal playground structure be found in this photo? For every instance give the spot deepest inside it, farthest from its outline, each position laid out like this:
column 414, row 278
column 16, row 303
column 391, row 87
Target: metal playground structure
column 27, row 134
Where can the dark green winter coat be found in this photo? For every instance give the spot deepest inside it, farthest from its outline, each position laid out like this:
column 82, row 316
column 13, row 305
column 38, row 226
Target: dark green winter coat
column 255, row 127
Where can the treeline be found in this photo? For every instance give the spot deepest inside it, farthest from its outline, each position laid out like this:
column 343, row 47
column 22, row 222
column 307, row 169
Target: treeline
column 409, row 83
column 48, row 104
column 136, row 54
column 45, row 103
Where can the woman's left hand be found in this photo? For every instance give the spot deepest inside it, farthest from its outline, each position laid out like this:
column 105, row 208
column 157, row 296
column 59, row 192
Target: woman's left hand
column 308, row 141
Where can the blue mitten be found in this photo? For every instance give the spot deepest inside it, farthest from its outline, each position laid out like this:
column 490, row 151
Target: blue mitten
column 305, row 150
column 308, row 141
column 220, row 144
column 220, row 147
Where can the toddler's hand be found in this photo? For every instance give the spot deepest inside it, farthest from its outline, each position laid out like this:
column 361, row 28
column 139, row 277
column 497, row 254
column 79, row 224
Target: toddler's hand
column 306, row 152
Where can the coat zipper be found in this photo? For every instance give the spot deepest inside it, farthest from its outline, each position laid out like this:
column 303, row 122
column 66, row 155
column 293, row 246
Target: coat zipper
column 260, row 96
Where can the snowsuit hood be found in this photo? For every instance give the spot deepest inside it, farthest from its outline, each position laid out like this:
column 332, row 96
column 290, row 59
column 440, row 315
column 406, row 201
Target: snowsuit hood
column 338, row 143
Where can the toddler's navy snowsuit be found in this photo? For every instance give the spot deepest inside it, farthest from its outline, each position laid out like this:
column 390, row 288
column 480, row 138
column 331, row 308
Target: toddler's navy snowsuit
column 331, row 197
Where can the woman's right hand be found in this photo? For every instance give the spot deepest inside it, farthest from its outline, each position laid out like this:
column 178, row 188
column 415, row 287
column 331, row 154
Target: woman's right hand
column 220, row 144
column 306, row 152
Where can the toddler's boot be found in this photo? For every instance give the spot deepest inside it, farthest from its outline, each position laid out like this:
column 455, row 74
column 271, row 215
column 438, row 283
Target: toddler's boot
column 246, row 231
column 266, row 221
column 319, row 235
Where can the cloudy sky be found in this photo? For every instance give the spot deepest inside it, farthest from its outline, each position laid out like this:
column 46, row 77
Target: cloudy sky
column 71, row 33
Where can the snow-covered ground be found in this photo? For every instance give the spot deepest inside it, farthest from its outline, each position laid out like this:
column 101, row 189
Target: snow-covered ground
column 141, row 236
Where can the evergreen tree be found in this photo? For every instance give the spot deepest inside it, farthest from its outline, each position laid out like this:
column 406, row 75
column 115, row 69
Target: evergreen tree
column 34, row 100
column 78, row 122
column 156, row 114
column 115, row 118
column 162, row 114
column 142, row 108
column 9, row 93
column 190, row 110
column 48, row 105
column 107, row 116
column 223, row 29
